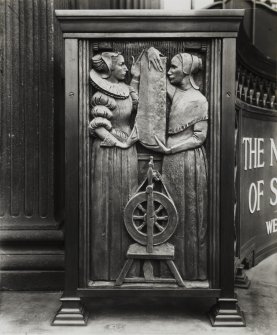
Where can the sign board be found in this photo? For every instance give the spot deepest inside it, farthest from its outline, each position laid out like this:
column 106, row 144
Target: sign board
column 258, row 182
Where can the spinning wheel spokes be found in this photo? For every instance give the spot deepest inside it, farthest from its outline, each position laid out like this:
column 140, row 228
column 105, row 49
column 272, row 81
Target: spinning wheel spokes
column 162, row 218
column 140, row 221
column 159, row 227
column 164, row 215
column 159, row 209
column 141, row 226
column 142, row 208
column 138, row 217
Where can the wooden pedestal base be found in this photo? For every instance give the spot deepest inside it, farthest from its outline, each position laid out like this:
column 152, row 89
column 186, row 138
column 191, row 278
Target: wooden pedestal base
column 71, row 313
column 226, row 313
column 164, row 252
column 241, row 280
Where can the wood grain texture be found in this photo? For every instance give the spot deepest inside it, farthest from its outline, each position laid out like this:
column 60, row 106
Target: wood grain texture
column 84, row 227
column 222, row 107
column 213, row 150
column 27, row 113
column 143, row 21
column 29, row 211
column 71, row 165
column 227, row 167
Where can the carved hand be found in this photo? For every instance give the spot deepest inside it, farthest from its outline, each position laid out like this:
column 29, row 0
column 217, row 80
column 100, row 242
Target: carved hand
column 162, row 148
column 132, row 139
column 135, row 69
column 154, row 59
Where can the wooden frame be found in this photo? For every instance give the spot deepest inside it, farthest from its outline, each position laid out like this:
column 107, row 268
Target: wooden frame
column 220, row 29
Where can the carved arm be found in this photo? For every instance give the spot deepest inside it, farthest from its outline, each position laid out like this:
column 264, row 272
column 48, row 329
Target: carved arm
column 196, row 140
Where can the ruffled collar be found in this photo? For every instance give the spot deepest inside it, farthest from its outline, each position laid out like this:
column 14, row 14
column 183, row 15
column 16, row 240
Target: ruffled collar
column 115, row 90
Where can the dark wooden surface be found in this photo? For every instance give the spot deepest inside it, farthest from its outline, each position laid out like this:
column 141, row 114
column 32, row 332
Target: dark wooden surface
column 93, row 22
column 214, row 66
column 71, row 163
column 227, row 158
column 148, row 292
column 223, row 115
column 31, row 201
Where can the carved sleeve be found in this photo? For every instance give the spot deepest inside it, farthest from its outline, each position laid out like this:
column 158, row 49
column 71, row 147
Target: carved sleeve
column 99, row 122
column 100, row 126
column 101, row 99
column 101, row 111
column 134, row 96
column 134, row 88
column 196, row 140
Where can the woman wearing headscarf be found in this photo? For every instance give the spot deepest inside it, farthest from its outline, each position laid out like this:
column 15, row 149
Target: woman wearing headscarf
column 113, row 161
column 185, row 166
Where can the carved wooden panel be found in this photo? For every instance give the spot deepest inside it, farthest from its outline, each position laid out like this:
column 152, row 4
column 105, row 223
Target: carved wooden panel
column 209, row 76
column 100, row 195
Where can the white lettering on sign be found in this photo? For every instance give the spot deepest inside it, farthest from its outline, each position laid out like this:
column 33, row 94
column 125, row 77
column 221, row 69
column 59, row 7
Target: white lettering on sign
column 271, row 226
column 253, row 151
column 273, row 151
column 254, row 196
column 273, row 187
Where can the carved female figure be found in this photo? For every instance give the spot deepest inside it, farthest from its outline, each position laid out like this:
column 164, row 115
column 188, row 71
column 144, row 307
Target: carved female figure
column 185, row 165
column 113, row 161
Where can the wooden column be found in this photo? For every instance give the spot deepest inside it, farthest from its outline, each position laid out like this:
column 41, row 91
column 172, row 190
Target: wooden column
column 31, row 198
column 226, row 312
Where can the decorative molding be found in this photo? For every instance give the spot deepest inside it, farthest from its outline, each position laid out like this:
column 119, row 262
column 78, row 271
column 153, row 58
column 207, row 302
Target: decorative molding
column 214, row 149
column 141, row 21
column 84, row 154
column 227, row 313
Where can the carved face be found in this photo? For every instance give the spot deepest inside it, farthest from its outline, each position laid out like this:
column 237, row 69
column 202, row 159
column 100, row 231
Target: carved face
column 119, row 69
column 175, row 73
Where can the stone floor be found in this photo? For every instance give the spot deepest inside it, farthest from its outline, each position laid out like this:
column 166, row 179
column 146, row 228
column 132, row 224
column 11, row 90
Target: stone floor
column 32, row 312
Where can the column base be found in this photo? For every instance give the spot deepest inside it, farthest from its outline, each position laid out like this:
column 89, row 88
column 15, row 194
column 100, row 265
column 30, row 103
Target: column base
column 71, row 313
column 241, row 280
column 226, row 313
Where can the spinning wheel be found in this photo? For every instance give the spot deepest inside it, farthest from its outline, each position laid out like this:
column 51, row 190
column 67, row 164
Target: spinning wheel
column 164, row 217
column 150, row 218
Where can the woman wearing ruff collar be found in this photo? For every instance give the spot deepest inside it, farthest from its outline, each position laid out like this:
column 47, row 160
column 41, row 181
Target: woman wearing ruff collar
column 185, row 165
column 113, row 161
